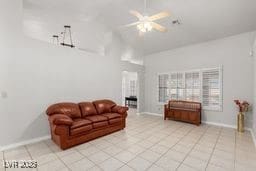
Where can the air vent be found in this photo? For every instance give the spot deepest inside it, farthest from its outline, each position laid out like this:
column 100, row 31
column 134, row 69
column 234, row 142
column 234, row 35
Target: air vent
column 176, row 22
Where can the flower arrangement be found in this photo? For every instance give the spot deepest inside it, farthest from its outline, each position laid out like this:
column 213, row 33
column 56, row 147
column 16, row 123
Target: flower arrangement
column 243, row 105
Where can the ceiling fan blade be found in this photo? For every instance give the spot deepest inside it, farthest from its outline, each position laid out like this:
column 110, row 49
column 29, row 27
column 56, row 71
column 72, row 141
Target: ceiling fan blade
column 136, row 14
column 159, row 16
column 159, row 27
column 132, row 24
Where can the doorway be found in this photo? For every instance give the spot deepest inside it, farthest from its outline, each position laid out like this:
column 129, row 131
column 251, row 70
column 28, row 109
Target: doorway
column 130, row 91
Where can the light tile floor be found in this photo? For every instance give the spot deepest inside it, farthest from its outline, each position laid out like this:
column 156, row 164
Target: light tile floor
column 148, row 143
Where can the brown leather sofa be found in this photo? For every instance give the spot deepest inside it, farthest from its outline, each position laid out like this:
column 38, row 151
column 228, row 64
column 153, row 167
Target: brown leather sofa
column 73, row 124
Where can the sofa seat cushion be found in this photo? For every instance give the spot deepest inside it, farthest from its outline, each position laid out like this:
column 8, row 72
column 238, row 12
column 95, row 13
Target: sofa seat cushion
column 112, row 115
column 80, row 123
column 97, row 118
column 100, row 124
column 115, row 120
column 81, row 130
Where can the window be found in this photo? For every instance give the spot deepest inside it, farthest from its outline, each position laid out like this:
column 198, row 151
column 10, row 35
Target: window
column 132, row 88
column 193, row 86
column 203, row 86
column 177, row 86
column 163, row 88
column 212, row 98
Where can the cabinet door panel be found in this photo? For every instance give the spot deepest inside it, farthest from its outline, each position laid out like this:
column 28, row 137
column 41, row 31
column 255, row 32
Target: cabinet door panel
column 185, row 115
column 169, row 114
column 177, row 114
column 193, row 116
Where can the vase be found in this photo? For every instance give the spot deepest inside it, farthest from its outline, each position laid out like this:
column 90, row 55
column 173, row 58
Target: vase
column 240, row 122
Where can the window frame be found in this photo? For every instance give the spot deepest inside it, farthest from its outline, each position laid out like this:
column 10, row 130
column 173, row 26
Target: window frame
column 220, row 106
column 200, row 79
column 200, row 71
column 158, row 87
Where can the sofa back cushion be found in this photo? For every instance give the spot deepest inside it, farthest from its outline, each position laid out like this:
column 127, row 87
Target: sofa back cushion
column 104, row 106
column 70, row 109
column 87, row 109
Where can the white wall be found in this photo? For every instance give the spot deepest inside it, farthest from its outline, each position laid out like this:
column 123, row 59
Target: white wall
column 231, row 52
column 254, row 87
column 36, row 74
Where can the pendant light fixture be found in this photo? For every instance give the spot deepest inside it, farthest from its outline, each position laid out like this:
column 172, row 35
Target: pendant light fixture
column 67, row 37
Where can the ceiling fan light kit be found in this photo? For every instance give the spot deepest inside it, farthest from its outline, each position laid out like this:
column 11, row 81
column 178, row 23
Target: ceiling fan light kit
column 147, row 23
column 145, row 27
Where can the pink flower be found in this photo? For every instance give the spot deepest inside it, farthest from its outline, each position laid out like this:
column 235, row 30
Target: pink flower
column 243, row 106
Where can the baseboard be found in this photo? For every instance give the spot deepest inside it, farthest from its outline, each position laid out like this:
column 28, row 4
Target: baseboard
column 234, row 127
column 31, row 141
column 205, row 122
column 153, row 114
column 253, row 136
column 219, row 124
column 224, row 125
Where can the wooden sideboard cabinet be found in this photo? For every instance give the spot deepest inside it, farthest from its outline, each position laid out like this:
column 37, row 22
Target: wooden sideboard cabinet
column 185, row 111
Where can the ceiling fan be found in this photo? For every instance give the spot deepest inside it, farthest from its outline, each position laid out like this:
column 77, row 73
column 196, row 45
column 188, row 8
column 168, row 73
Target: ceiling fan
column 147, row 23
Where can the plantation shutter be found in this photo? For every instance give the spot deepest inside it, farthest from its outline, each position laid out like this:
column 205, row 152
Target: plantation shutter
column 193, row 86
column 180, row 86
column 211, row 87
column 163, row 88
column 173, row 86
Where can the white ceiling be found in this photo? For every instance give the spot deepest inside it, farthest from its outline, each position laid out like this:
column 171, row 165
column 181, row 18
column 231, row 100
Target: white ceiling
column 202, row 20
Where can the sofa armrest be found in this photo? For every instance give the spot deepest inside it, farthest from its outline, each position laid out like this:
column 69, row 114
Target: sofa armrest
column 60, row 119
column 120, row 109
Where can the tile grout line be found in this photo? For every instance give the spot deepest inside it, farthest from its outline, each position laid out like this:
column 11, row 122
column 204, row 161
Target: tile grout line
column 151, row 142
column 30, row 154
column 136, row 143
column 56, row 156
column 192, row 149
column 214, row 147
column 171, row 147
column 136, row 155
column 111, row 156
column 95, row 164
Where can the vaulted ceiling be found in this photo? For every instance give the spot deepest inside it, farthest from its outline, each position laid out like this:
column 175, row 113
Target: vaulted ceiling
column 201, row 20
